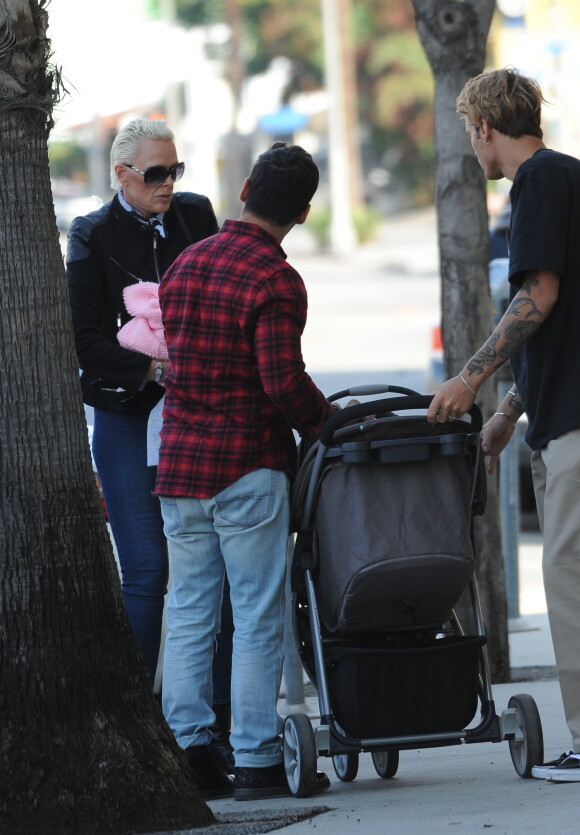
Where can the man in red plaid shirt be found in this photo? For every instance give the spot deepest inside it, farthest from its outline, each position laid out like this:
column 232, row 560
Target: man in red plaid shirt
column 234, row 311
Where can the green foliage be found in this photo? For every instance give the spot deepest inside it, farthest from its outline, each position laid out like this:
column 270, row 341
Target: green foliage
column 198, row 12
column 318, row 223
column 394, row 81
column 366, row 221
column 271, row 28
column 395, row 88
column 151, row 9
column 292, row 29
column 67, row 160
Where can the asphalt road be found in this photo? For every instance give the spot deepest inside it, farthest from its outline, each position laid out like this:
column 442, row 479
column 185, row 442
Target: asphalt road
column 371, row 313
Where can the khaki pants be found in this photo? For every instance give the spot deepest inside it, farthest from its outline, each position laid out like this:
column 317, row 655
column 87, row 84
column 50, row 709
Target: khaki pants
column 556, row 476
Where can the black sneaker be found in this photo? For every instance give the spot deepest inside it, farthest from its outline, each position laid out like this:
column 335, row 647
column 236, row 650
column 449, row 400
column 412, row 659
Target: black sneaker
column 262, row 783
column 567, row 772
column 210, row 779
column 542, row 771
column 221, row 747
column 222, row 752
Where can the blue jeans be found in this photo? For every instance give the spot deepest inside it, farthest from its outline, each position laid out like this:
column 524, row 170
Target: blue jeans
column 120, row 453
column 241, row 532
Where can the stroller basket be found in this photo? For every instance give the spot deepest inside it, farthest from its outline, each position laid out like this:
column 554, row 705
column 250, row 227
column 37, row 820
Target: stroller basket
column 405, row 690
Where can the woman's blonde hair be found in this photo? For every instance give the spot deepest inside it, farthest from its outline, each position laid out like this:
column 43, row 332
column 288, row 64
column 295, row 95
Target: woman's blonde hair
column 125, row 143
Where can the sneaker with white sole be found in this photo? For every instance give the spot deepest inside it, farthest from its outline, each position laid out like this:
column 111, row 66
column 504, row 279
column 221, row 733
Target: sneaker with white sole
column 263, row 783
column 567, row 772
column 542, row 771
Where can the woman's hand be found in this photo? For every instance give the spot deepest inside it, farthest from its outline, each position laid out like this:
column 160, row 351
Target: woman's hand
column 150, row 376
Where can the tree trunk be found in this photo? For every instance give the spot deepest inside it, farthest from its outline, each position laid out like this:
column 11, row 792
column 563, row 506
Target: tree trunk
column 454, row 35
column 84, row 747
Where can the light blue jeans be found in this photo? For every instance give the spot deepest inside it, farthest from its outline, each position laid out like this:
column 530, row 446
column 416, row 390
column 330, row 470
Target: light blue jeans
column 242, row 531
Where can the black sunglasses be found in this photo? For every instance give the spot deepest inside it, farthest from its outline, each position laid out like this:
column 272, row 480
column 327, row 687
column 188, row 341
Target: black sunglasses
column 157, row 174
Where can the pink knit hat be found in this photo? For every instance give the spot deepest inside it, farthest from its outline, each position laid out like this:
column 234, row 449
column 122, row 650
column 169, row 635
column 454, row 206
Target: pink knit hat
column 144, row 332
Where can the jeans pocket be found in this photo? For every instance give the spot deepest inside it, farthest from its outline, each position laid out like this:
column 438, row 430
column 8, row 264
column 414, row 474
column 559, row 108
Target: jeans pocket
column 172, row 521
column 250, row 500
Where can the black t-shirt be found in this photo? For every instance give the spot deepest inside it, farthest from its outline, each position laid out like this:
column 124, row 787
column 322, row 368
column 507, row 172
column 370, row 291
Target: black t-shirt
column 545, row 235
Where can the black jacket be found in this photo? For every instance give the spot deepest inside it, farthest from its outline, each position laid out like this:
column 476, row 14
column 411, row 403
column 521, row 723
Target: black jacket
column 107, row 250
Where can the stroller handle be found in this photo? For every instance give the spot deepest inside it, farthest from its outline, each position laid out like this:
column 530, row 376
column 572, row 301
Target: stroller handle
column 387, row 404
column 374, row 388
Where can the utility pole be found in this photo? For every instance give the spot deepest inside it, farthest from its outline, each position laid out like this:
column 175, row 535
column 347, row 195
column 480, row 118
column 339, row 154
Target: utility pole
column 173, row 109
column 234, row 163
column 350, row 89
column 335, row 17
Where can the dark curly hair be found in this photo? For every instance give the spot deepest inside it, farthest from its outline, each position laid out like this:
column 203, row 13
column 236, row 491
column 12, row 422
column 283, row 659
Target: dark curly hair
column 283, row 181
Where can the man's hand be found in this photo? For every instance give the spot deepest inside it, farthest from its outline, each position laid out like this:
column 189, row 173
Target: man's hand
column 452, row 400
column 354, row 402
column 495, row 436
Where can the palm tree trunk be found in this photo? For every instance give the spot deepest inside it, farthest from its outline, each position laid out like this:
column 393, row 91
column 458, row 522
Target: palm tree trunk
column 83, row 745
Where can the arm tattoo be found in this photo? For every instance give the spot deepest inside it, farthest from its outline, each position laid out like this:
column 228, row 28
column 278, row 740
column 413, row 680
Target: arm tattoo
column 524, row 307
column 517, row 332
column 514, row 334
column 486, row 356
column 515, row 403
column 530, row 280
column 522, row 318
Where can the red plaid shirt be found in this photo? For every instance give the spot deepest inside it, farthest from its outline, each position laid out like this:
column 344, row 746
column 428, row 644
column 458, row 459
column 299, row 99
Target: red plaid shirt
column 233, row 311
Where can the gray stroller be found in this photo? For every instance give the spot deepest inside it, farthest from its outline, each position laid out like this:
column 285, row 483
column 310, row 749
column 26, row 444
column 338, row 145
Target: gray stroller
column 383, row 509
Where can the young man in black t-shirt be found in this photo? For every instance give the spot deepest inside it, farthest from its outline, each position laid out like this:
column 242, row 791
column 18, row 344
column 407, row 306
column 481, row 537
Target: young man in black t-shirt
column 539, row 334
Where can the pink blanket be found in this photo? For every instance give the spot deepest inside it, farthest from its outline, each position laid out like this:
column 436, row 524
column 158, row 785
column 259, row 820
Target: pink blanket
column 144, row 332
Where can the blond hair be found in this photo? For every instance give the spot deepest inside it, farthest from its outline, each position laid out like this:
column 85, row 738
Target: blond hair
column 508, row 101
column 125, row 143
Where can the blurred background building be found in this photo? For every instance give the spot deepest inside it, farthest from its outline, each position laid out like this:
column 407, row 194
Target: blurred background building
column 347, row 80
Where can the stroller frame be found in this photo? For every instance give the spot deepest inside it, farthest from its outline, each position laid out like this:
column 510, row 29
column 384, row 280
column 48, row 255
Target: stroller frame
column 519, row 724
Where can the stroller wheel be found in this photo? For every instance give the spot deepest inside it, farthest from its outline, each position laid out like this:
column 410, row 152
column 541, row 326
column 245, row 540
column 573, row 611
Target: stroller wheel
column 527, row 749
column 345, row 766
column 386, row 763
column 299, row 755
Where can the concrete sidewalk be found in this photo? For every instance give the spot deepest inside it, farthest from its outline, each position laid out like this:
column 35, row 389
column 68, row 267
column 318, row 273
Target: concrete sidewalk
column 463, row 788
column 370, row 320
